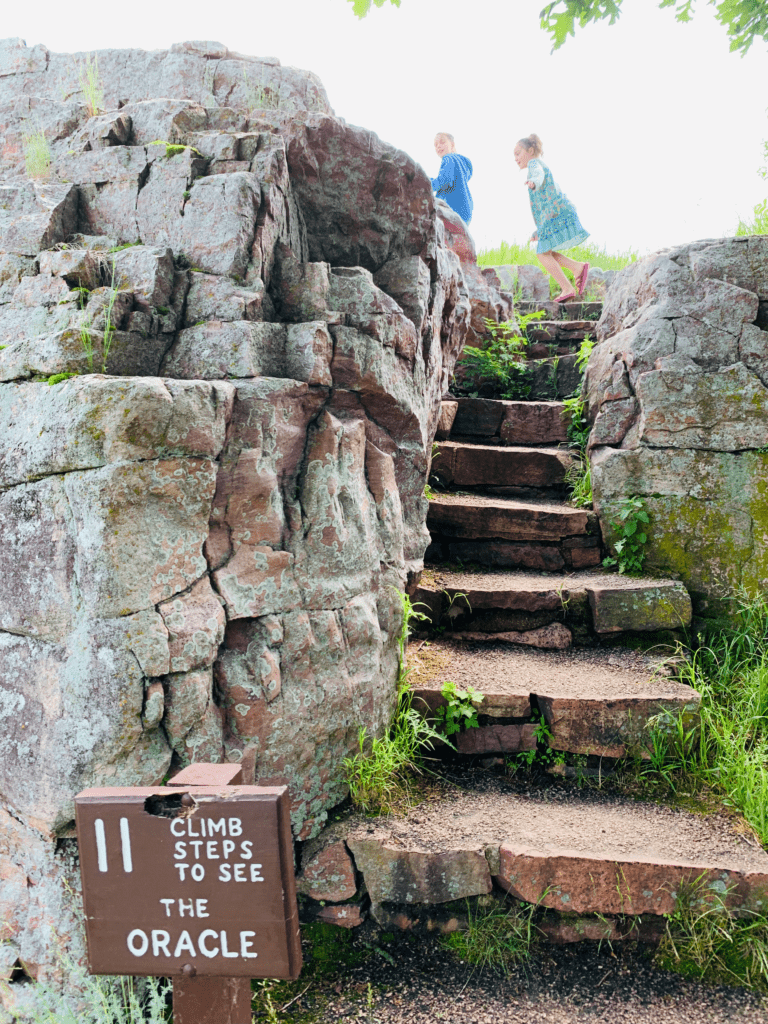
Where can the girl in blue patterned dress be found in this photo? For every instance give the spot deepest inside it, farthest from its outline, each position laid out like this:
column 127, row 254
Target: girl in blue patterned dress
column 557, row 223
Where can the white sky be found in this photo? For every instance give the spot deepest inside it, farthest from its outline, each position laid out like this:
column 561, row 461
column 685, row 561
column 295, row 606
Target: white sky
column 653, row 129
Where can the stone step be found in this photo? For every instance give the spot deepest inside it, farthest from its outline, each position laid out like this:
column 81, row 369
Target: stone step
column 590, row 311
column 595, row 702
column 589, row 601
column 498, row 531
column 565, row 849
column 507, row 422
column 501, row 470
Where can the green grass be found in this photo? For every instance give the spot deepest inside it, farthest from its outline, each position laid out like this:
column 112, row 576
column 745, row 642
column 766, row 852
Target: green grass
column 727, row 754
column 707, row 941
column 90, row 84
column 759, row 223
column 381, row 775
column 525, row 255
column 496, row 936
column 37, row 154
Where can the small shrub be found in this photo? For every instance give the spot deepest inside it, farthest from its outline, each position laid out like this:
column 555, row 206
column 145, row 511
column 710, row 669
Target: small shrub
column 380, row 775
column 103, row 1001
column 460, row 708
column 37, row 155
column 90, row 84
column 629, row 548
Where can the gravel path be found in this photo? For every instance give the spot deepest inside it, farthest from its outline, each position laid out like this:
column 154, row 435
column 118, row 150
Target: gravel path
column 417, row 981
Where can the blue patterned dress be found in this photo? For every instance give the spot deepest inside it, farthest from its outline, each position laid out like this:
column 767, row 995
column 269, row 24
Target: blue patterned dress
column 556, row 219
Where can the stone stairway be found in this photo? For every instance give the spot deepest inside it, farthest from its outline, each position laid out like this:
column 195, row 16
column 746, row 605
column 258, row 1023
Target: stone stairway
column 572, row 662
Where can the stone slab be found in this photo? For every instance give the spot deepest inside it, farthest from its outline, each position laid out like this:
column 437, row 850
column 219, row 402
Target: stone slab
column 474, row 517
column 419, row 876
column 470, row 465
column 533, row 423
column 572, row 852
column 648, row 606
column 594, row 701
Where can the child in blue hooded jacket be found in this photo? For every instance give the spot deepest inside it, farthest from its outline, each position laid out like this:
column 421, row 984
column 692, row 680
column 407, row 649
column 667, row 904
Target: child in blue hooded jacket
column 451, row 181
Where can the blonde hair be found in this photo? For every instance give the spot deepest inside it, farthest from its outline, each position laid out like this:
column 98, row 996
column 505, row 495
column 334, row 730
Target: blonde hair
column 445, row 135
column 532, row 142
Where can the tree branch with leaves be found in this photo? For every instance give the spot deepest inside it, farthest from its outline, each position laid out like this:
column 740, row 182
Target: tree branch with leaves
column 744, row 20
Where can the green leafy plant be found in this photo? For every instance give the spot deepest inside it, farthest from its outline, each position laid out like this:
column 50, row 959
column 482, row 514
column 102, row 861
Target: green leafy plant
column 706, row 939
column 429, row 494
column 629, row 547
column 57, row 378
column 500, row 363
column 496, row 936
column 90, row 84
column 460, row 708
column 744, row 20
column 585, row 351
column 37, row 154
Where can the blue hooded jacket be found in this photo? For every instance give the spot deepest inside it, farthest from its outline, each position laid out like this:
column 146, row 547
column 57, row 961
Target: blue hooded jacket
column 451, row 184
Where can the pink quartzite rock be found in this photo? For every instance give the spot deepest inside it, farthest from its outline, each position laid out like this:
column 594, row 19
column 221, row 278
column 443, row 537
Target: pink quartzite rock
column 347, row 915
column 587, row 884
column 410, row 876
column 327, row 873
column 496, row 739
column 554, row 637
column 208, row 536
column 457, row 236
column 678, row 394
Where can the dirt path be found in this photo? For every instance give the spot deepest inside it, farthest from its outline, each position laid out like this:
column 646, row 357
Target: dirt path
column 410, row 980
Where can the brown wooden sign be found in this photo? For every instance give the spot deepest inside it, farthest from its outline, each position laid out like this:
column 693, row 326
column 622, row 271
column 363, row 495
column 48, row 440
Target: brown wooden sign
column 186, row 880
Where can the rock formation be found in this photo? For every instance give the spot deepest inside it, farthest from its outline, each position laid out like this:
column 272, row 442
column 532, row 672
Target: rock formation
column 204, row 524
column 678, row 392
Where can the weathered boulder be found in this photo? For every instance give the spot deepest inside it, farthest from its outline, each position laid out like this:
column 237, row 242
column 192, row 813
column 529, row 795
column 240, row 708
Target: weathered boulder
column 203, row 543
column 678, row 396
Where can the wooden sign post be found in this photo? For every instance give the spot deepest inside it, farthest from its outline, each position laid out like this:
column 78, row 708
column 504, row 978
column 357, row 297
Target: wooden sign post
column 192, row 881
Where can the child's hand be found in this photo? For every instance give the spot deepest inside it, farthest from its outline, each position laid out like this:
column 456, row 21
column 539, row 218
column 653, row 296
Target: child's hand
column 531, row 185
column 534, row 237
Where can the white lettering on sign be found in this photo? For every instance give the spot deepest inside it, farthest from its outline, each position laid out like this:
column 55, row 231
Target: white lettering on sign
column 210, row 849
column 125, row 840
column 199, row 909
column 101, row 844
column 138, row 943
column 125, row 843
column 208, row 827
column 225, row 872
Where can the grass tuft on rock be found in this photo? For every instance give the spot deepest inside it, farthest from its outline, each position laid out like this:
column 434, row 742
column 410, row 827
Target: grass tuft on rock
column 708, row 941
column 37, row 155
